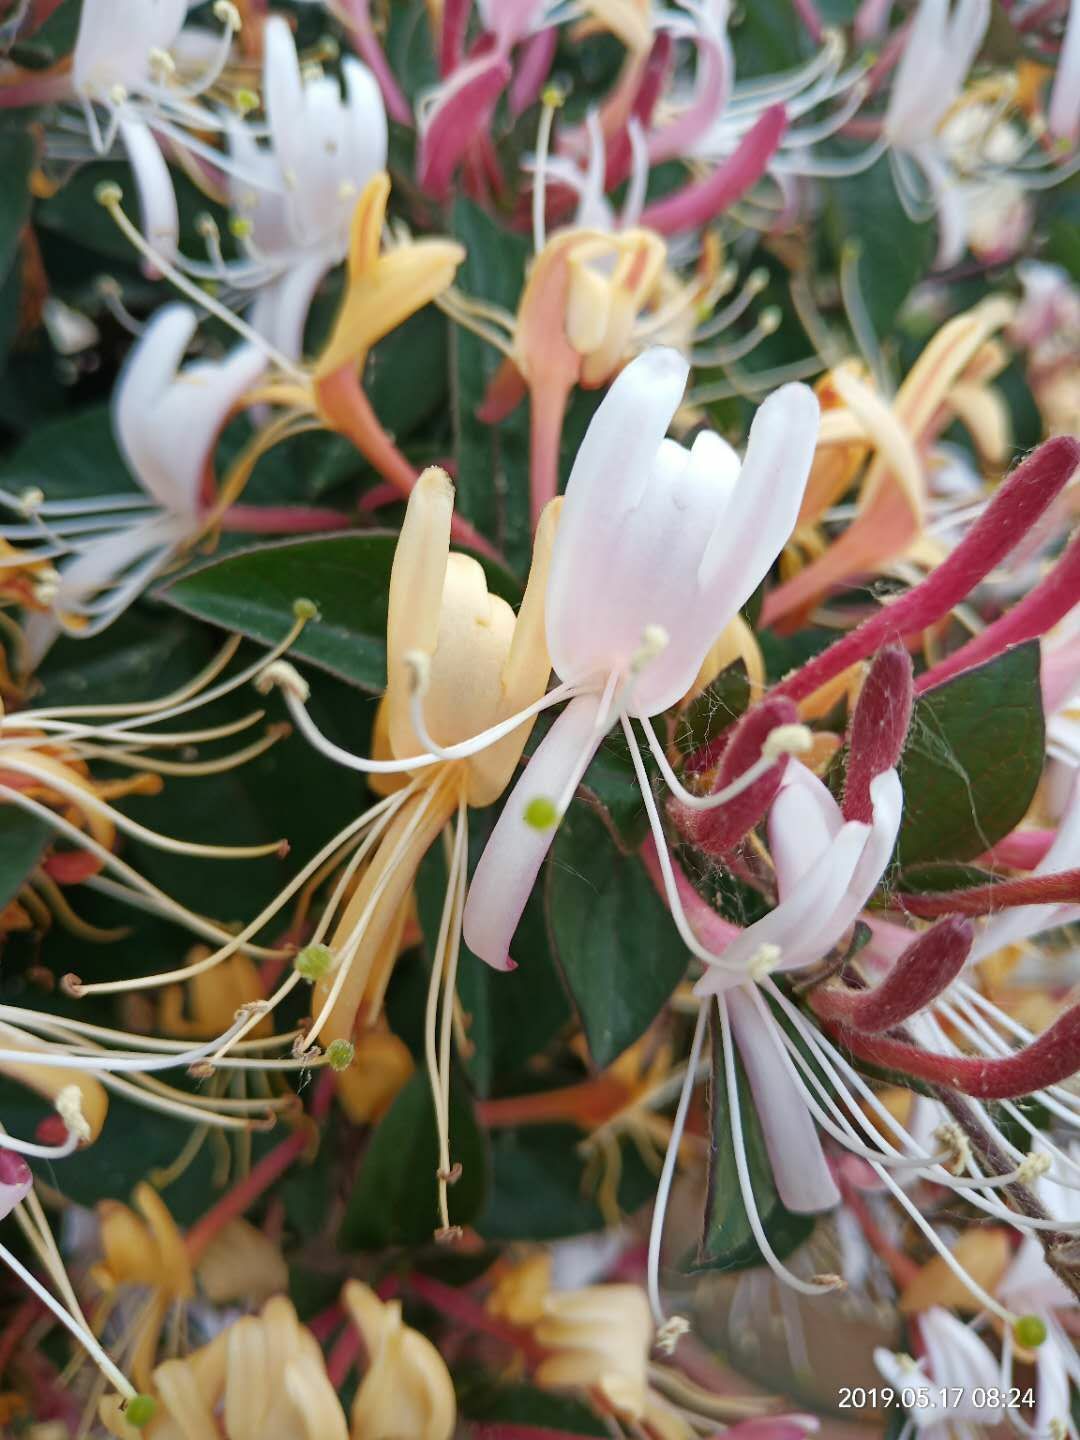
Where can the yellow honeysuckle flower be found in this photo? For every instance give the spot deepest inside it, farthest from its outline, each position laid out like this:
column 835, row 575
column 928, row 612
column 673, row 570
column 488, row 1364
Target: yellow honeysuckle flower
column 208, row 1003
column 261, row 1378
column 949, row 380
column 984, row 1254
column 382, row 1065
column 143, row 1249
column 407, row 1390
column 241, row 1265
column 384, row 286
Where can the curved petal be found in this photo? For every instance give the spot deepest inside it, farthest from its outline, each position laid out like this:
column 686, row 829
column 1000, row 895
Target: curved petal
column 281, row 309
column 515, row 849
column 798, row 1163
column 149, row 369
column 157, row 198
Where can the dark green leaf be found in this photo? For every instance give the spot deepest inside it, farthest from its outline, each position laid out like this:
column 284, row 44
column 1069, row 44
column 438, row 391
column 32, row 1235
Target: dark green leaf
column 17, row 155
column 973, row 758
column 616, row 942
column 347, row 576
column 894, row 252
column 713, row 710
column 23, row 837
column 394, row 1199
column 541, row 1190
column 727, row 1242
column 509, row 1018
column 73, row 457
column 496, row 1405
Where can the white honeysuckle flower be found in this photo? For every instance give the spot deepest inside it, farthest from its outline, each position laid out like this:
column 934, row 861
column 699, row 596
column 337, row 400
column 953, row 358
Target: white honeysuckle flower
column 657, row 548
column 955, row 1365
column 166, row 420
column 940, row 50
column 826, row 871
column 298, row 193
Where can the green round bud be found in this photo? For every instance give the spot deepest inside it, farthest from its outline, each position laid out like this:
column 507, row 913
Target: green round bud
column 540, row 813
column 339, row 1054
column 1029, row 1331
column 140, row 1410
column 305, row 609
column 313, row 962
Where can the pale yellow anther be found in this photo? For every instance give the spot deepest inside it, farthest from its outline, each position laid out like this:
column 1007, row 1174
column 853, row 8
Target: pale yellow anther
column 118, row 94
column 956, row 1142
column 787, row 740
column 30, row 499
column 283, row 676
column 227, row 14
column 69, row 1108
column 162, row 61
column 764, row 961
column 670, row 1333
column 1033, row 1167
column 654, row 641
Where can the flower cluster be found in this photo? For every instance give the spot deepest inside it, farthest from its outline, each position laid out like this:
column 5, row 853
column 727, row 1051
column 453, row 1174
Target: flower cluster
column 631, row 449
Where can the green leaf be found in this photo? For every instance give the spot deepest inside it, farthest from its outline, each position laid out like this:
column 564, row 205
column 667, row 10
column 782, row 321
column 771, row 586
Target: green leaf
column 495, row 1405
column 73, row 457
column 973, row 759
column 718, row 705
column 727, row 1242
column 894, row 252
column 23, row 837
column 493, row 460
column 394, row 1199
column 541, row 1189
column 17, row 156
column 508, row 1018
column 617, row 944
column 348, row 578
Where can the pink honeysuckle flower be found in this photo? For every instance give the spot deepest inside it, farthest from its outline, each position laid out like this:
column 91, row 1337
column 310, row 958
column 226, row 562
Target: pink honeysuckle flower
column 658, row 547
column 166, row 421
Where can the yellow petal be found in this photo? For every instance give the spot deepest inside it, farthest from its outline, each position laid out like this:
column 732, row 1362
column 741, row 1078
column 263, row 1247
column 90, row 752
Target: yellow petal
column 983, row 1253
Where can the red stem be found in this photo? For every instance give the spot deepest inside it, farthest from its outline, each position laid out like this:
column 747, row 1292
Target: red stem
column 1051, row 1058
column 460, row 1307
column 1060, row 889
column 343, row 1356
column 242, row 1196
column 917, row 978
column 358, row 21
column 1019, row 502
column 283, row 519
column 1050, row 601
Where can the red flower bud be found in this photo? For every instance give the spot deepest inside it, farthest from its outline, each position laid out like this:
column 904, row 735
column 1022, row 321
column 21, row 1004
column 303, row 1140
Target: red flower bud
column 918, row 977
column 879, row 728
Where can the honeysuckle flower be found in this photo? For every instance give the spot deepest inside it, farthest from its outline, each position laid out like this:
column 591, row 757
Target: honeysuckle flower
column 134, row 65
column 262, row 1378
column 939, row 51
column 1047, row 325
column 143, row 1252
column 955, row 1364
column 465, row 680
column 598, row 1339
column 996, row 210
column 324, row 147
column 894, row 518
column 659, row 546
column 406, row 1389
column 166, row 420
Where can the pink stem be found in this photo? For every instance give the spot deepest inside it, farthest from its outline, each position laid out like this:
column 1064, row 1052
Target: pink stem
column 461, row 1308
column 807, row 12
column 1019, row 502
column 697, row 204
column 243, row 1196
column 323, row 1325
column 547, row 401
column 358, row 19
column 284, row 519
column 1062, row 888
column 1050, row 601
column 378, row 496
column 343, row 1356
column 1051, row 1058
column 36, row 90
column 455, row 21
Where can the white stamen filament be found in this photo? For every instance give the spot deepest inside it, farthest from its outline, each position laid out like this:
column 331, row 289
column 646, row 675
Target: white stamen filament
column 781, row 741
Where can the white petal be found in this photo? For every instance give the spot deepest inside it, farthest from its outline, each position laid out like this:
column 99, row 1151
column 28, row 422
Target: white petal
column 157, row 198
column 798, row 1162
column 803, row 822
column 515, row 849
column 149, row 369
column 1063, row 113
